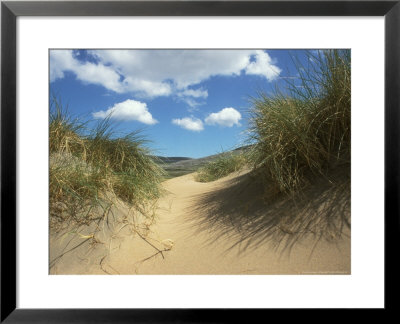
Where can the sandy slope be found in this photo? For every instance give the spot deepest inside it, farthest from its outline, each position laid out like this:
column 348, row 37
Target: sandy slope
column 194, row 241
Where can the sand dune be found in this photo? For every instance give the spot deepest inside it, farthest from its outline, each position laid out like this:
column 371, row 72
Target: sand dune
column 204, row 228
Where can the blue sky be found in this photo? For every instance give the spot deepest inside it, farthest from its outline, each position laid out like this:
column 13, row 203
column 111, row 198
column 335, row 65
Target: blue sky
column 189, row 103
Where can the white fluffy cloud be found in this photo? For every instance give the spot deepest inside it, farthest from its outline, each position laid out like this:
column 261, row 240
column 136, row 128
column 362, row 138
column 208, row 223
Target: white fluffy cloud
column 263, row 65
column 189, row 123
column 183, row 67
column 64, row 61
column 226, row 117
column 128, row 110
column 155, row 73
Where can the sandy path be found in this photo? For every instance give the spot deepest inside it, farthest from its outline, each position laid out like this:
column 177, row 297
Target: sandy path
column 209, row 252
column 196, row 250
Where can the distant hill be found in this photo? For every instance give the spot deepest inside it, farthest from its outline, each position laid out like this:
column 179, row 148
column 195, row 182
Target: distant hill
column 177, row 166
column 172, row 159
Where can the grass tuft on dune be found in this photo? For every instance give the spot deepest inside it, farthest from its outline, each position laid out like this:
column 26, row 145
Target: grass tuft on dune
column 224, row 165
column 303, row 129
column 89, row 170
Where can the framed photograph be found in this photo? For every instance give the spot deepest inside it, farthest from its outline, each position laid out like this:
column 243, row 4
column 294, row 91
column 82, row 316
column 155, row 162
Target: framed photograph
column 197, row 161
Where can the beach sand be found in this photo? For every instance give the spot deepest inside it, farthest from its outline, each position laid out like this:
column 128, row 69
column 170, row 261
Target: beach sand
column 196, row 237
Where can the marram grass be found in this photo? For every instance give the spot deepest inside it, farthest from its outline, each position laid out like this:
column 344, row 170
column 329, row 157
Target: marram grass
column 88, row 172
column 224, row 165
column 304, row 129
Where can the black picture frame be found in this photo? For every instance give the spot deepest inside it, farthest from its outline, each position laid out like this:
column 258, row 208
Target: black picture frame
column 10, row 10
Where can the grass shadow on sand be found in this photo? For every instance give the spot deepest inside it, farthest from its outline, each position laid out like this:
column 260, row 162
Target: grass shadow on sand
column 243, row 210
